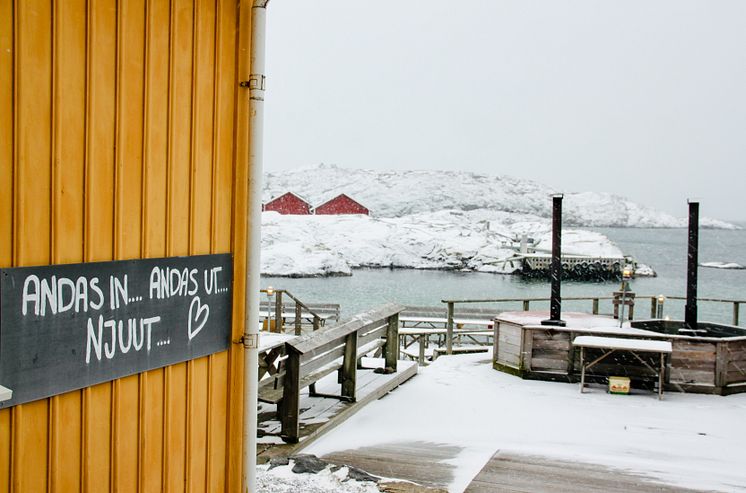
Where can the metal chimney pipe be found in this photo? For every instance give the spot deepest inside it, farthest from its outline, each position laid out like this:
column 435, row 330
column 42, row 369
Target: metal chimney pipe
column 555, row 307
column 690, row 311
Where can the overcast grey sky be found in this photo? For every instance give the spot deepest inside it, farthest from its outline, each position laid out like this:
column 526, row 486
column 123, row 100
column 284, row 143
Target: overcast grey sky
column 642, row 98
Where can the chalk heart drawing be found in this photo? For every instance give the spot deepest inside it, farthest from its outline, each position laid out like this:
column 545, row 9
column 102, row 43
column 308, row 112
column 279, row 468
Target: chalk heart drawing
column 198, row 314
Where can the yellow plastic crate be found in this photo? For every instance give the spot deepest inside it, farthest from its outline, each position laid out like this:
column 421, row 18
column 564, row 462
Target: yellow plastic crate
column 618, row 385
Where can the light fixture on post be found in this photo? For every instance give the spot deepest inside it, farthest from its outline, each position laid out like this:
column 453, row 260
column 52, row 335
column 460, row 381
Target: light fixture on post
column 661, row 300
column 626, row 276
column 270, row 295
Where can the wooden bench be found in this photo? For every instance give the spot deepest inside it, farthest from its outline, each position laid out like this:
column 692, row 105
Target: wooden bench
column 311, row 357
column 634, row 346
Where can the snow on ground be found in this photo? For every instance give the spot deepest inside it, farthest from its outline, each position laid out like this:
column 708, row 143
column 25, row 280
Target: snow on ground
column 401, row 193
column 283, row 480
column 688, row 440
column 476, row 240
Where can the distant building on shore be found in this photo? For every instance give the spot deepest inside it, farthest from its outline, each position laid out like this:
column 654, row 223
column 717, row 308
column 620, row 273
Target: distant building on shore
column 341, row 204
column 288, row 203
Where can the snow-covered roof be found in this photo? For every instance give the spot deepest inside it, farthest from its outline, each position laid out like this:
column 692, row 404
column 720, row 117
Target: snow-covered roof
column 288, row 193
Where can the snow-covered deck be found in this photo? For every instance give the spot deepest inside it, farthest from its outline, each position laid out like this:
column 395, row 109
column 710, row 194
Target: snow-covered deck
column 462, row 407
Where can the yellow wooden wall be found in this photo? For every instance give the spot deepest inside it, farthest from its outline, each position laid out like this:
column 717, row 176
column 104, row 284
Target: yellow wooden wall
column 117, row 141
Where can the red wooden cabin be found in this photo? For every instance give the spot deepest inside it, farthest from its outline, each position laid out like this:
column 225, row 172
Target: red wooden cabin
column 288, row 203
column 342, row 204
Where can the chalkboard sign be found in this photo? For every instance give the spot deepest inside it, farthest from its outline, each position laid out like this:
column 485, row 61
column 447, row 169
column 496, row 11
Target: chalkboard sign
column 65, row 327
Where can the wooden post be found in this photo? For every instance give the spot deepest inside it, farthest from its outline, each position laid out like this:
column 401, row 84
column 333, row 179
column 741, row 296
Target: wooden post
column 582, row 369
column 316, row 323
column 526, row 304
column 735, row 313
column 449, row 329
column 278, row 312
column 721, row 365
column 595, row 306
column 289, row 407
column 349, row 367
column 653, row 307
column 298, row 315
column 660, row 376
column 392, row 341
column 571, row 357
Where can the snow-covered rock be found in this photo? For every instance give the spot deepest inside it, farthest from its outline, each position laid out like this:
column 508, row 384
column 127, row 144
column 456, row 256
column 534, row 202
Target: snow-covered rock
column 401, row 193
column 458, row 240
column 723, row 265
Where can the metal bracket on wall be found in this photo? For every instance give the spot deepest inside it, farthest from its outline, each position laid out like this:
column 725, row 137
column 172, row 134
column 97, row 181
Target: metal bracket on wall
column 5, row 394
column 250, row 341
column 256, row 81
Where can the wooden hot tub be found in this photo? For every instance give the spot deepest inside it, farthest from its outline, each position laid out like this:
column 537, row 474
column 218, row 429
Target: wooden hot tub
column 710, row 361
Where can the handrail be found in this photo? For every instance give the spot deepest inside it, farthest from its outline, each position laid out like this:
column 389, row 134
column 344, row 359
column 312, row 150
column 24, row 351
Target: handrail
column 595, row 299
column 581, row 298
column 298, row 306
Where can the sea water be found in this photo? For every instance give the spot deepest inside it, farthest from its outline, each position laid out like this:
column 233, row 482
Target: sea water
column 665, row 250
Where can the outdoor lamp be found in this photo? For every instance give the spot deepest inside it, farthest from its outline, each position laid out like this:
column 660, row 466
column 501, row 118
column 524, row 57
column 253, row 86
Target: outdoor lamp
column 270, row 291
column 627, row 273
column 661, row 300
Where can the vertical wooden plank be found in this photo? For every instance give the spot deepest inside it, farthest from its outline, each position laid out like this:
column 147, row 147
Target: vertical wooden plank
column 129, row 138
column 155, row 129
column 225, row 27
column 69, row 130
column 99, row 213
column 31, row 228
column 178, row 224
column 239, row 238
column 200, row 225
column 154, row 199
column 151, row 431
column 217, row 422
column 174, row 439
column 68, row 155
column 5, row 442
column 6, row 136
column 221, row 196
column 101, row 74
column 197, row 446
column 32, row 122
column 125, row 416
column 179, row 132
column 97, row 438
column 6, row 198
column 202, row 131
column 128, row 219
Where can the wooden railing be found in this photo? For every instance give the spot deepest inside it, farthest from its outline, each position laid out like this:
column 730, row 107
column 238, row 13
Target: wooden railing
column 338, row 348
column 595, row 300
column 318, row 313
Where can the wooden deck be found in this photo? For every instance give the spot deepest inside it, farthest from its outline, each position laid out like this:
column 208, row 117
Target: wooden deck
column 426, row 464
column 521, row 473
column 423, row 463
column 318, row 415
